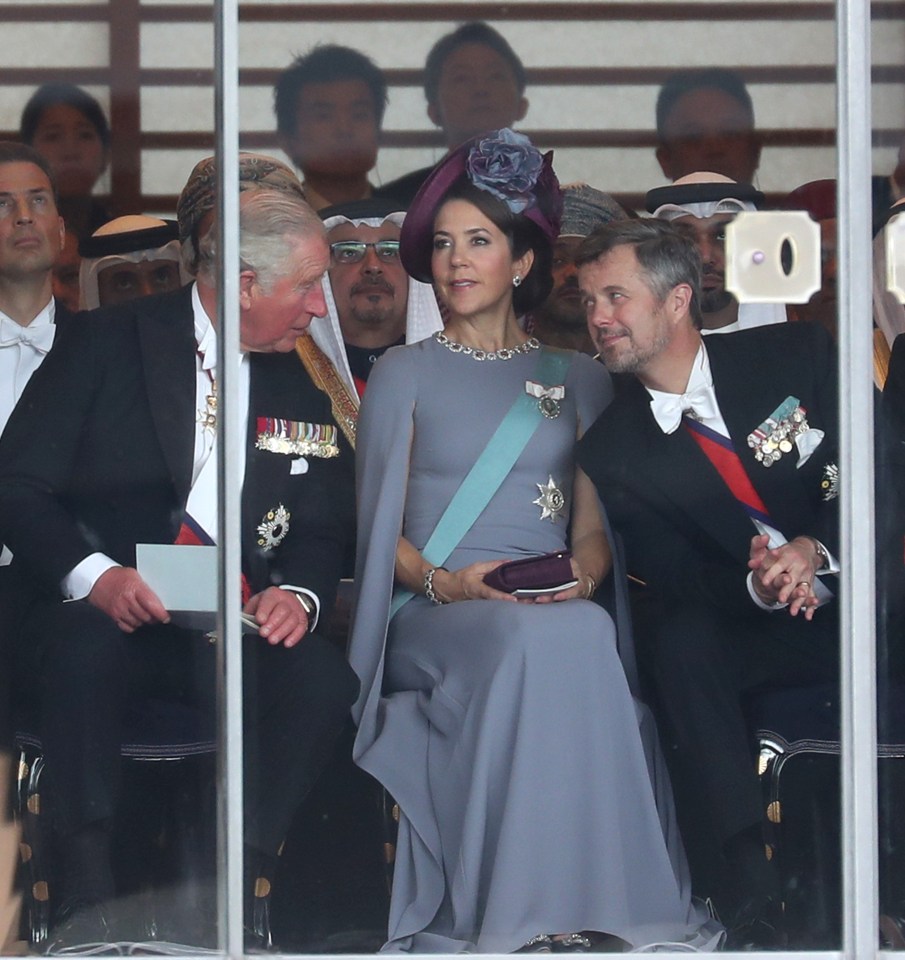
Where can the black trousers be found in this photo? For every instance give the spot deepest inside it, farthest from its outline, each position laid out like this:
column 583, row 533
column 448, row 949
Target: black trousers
column 701, row 665
column 10, row 613
column 84, row 673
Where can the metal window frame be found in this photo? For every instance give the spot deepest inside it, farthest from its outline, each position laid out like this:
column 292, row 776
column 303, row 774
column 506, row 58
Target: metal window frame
column 229, row 482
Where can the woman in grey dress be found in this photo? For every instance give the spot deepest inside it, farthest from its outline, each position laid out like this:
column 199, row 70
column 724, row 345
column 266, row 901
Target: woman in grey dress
column 531, row 810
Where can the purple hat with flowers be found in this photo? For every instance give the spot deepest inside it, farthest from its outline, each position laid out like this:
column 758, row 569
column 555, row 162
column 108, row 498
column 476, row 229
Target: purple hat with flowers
column 503, row 163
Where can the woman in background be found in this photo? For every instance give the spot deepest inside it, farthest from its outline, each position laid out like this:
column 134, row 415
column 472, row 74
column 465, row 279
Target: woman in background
column 67, row 126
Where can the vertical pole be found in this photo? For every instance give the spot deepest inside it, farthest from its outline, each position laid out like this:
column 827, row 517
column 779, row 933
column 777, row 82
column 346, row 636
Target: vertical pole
column 230, row 847
column 858, row 633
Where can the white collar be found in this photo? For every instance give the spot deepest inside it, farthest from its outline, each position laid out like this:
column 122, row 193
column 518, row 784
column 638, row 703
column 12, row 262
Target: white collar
column 205, row 332
column 698, row 396
column 700, row 376
column 44, row 317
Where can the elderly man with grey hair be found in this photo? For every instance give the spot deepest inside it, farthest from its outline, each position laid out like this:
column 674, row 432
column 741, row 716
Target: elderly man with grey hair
column 133, row 460
column 560, row 320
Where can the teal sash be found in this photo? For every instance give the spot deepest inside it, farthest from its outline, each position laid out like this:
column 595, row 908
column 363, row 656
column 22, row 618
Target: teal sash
column 490, row 469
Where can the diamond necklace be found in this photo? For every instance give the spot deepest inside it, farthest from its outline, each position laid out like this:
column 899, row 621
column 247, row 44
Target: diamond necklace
column 504, row 353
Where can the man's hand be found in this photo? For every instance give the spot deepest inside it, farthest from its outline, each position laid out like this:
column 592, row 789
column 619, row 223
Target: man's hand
column 129, row 602
column 280, row 616
column 786, row 573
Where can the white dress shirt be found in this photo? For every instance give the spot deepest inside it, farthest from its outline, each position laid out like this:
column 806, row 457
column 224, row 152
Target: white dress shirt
column 22, row 351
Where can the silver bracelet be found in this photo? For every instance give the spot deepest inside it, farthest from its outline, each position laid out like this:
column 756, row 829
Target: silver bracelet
column 592, row 586
column 429, row 585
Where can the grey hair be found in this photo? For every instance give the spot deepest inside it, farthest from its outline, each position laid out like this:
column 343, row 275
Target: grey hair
column 666, row 256
column 271, row 222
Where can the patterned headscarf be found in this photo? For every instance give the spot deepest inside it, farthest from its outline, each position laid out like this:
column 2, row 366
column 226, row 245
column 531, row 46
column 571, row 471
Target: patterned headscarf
column 585, row 209
column 199, row 195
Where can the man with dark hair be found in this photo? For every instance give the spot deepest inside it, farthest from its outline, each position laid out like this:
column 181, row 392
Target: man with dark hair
column 129, row 257
column 560, row 320
column 372, row 303
column 329, row 106
column 114, row 445
column 703, row 204
column 473, row 82
column 31, row 241
column 716, row 462
column 705, row 121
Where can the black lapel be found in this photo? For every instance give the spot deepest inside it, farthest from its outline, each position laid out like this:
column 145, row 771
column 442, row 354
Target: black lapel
column 167, row 335
column 264, row 484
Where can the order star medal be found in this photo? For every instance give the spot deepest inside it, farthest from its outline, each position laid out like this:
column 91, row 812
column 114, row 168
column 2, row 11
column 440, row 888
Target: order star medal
column 551, row 500
column 273, row 527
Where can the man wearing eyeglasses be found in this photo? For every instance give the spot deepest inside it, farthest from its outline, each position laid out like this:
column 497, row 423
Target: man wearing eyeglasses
column 372, row 303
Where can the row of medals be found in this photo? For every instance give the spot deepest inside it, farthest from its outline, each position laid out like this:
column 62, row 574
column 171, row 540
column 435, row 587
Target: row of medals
column 769, row 447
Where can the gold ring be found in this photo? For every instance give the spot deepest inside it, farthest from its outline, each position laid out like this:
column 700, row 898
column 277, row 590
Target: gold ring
column 803, row 583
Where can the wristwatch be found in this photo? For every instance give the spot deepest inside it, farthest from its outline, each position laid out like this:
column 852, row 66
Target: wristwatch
column 821, row 552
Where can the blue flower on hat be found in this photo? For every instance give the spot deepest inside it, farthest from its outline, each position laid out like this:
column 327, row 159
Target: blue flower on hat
column 507, row 165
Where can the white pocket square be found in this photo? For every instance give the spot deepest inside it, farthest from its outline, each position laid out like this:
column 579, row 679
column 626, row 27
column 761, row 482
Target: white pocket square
column 299, row 465
column 807, row 443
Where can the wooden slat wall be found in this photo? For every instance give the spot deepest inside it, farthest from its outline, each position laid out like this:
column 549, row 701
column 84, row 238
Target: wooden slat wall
column 593, row 73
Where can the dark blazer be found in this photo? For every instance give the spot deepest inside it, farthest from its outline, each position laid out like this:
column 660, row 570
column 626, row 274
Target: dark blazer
column 98, row 454
column 685, row 534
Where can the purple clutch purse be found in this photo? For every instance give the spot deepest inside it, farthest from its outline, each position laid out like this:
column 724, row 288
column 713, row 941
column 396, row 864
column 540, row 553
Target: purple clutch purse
column 546, row 573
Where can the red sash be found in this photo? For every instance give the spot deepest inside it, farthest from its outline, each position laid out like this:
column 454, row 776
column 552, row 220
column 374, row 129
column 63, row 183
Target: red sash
column 721, row 453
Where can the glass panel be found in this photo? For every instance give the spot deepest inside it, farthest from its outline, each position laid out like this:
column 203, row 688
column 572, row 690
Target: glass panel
column 593, row 75
column 594, row 102
column 888, row 316
column 116, row 727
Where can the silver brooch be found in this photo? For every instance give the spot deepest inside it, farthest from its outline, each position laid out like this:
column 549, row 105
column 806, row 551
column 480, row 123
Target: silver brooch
column 551, row 500
column 274, row 527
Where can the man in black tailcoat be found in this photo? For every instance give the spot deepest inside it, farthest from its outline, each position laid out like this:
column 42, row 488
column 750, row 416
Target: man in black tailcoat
column 114, row 444
column 716, row 462
column 31, row 240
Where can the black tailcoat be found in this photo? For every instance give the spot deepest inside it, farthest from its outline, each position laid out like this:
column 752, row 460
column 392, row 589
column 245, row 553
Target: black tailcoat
column 98, row 456
column 703, row 643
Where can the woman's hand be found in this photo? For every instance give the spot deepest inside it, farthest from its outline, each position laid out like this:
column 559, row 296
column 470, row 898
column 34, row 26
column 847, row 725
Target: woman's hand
column 583, row 590
column 467, row 583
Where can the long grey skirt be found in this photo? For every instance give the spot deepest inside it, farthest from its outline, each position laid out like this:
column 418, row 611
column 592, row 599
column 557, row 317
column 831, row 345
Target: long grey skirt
column 532, row 794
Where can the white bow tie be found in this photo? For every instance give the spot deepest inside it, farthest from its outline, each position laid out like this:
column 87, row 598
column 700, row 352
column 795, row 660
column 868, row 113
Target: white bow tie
column 40, row 338
column 668, row 409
